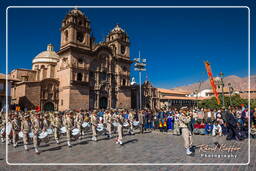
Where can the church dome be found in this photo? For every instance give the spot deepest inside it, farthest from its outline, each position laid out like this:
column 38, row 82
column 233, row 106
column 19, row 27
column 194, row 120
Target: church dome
column 48, row 56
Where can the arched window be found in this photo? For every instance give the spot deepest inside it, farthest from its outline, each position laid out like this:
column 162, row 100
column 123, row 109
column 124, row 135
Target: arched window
column 66, row 35
column 124, row 82
column 79, row 76
column 44, row 71
column 103, row 76
column 80, row 60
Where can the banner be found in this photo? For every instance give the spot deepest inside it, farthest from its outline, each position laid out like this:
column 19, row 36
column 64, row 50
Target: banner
column 214, row 89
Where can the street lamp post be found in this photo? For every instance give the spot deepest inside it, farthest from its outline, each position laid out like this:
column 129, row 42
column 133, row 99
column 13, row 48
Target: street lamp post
column 140, row 65
column 222, row 88
column 220, row 83
column 230, row 89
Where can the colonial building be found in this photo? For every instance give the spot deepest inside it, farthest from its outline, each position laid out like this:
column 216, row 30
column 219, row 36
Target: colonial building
column 149, row 96
column 82, row 74
column 4, row 92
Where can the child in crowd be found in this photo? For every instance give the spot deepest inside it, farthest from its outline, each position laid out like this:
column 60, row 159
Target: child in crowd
column 217, row 129
column 196, row 129
column 208, row 128
column 202, row 128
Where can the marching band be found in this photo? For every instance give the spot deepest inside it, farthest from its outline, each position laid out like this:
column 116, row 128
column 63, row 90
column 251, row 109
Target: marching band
column 41, row 126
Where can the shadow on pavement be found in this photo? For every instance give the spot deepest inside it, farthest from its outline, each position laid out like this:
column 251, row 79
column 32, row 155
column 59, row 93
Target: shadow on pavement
column 130, row 141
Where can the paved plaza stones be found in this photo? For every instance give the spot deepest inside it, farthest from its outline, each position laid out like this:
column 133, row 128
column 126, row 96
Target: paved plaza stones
column 151, row 147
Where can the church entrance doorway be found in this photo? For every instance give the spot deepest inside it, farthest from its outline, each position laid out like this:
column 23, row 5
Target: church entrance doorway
column 48, row 106
column 103, row 103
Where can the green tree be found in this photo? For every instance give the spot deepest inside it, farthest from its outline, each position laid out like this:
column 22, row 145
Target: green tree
column 234, row 100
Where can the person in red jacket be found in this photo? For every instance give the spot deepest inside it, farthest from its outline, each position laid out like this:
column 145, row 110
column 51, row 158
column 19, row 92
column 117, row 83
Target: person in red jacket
column 38, row 109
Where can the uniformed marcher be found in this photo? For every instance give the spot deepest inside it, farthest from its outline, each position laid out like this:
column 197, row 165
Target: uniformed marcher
column 94, row 122
column 184, row 120
column 108, row 121
column 37, row 126
column 79, row 121
column 131, row 119
column 25, row 128
column 141, row 117
column 120, row 120
column 56, row 123
column 15, row 130
column 69, row 124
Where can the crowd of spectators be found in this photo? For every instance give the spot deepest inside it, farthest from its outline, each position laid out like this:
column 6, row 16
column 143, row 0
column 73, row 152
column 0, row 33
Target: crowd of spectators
column 231, row 122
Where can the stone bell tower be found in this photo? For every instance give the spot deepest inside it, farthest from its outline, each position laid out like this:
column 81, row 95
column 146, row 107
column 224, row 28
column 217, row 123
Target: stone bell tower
column 75, row 30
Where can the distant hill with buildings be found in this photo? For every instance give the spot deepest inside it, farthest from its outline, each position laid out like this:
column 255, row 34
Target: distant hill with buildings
column 238, row 83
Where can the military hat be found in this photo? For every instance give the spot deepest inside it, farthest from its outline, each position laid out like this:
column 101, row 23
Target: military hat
column 26, row 116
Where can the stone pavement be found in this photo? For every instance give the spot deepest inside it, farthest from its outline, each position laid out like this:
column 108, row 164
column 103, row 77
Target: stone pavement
column 151, row 147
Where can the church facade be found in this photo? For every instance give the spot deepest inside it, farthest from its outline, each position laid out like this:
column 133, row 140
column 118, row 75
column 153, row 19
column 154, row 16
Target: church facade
column 83, row 74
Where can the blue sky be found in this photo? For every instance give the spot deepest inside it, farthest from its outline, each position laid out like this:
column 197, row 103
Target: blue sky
column 174, row 41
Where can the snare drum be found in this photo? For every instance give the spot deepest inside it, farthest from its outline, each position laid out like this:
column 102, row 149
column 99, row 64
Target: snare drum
column 115, row 124
column 21, row 134
column 63, row 130
column 31, row 134
column 43, row 135
column 75, row 132
column 3, row 131
column 8, row 128
column 49, row 131
column 126, row 124
column 86, row 124
column 100, row 127
column 136, row 123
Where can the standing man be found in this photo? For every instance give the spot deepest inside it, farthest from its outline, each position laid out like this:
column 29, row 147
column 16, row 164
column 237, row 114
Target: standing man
column 108, row 122
column 56, row 126
column 131, row 119
column 79, row 121
column 69, row 124
column 120, row 121
column 25, row 128
column 141, row 121
column 184, row 120
column 37, row 126
column 94, row 123
column 15, row 129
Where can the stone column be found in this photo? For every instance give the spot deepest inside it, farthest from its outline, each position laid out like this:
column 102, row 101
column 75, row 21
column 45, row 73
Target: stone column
column 97, row 100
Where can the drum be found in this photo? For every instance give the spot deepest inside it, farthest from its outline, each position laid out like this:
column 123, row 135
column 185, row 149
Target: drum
column 31, row 134
column 3, row 131
column 126, row 124
column 49, row 131
column 100, row 127
column 115, row 124
column 75, row 132
column 136, row 123
column 21, row 134
column 63, row 130
column 86, row 124
column 8, row 128
column 43, row 135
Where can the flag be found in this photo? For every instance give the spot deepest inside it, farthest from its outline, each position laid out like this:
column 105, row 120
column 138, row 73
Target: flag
column 214, row 89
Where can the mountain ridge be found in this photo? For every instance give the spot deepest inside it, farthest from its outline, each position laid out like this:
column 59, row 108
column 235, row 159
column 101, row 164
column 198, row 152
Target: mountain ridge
column 238, row 83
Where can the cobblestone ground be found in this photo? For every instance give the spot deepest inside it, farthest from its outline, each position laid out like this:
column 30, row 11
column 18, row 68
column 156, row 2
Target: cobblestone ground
column 151, row 147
